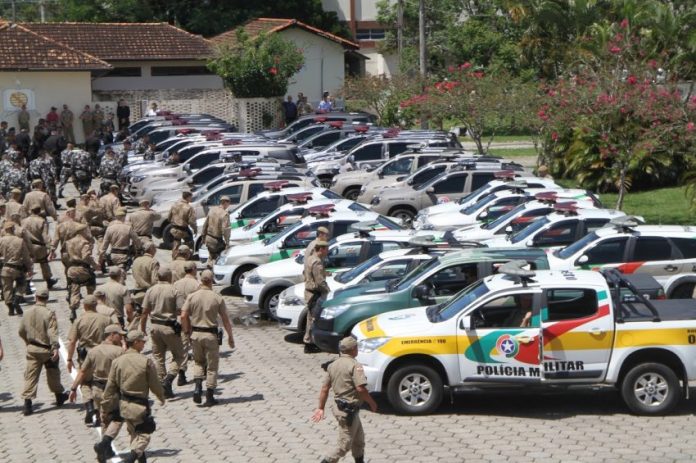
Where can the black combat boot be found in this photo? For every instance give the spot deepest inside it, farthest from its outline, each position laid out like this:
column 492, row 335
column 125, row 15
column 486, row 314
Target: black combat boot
column 27, row 410
column 61, row 398
column 11, row 309
column 73, row 315
column 51, row 282
column 142, row 458
column 181, row 381
column 104, row 450
column 18, row 308
column 210, row 398
column 359, row 459
column 167, row 386
column 198, row 391
column 132, row 457
column 89, row 411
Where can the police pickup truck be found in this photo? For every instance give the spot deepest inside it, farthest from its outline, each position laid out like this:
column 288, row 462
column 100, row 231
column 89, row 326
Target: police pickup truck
column 546, row 328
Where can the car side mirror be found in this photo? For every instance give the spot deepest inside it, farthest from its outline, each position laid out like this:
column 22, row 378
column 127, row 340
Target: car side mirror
column 583, row 259
column 508, row 230
column 430, row 190
column 421, row 292
column 465, row 323
column 483, row 215
column 351, row 159
column 530, row 243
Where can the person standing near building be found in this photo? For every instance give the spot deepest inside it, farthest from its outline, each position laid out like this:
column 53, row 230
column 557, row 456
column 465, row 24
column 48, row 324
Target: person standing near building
column 52, row 118
column 303, row 107
column 86, row 118
column 39, row 331
column 345, row 376
column 23, row 118
column 181, row 217
column 97, row 119
column 66, row 122
column 123, row 115
column 216, row 230
column 289, row 110
column 325, row 104
column 199, row 318
column 131, row 379
column 316, row 289
column 152, row 112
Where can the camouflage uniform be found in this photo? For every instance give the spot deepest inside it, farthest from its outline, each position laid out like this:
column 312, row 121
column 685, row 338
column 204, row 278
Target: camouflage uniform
column 44, row 169
column 14, row 178
column 109, row 170
column 82, row 170
column 66, row 170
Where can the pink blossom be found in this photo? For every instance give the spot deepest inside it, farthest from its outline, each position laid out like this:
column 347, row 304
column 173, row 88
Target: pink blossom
column 652, row 64
column 478, row 74
column 450, row 68
column 624, row 23
column 690, row 126
column 273, row 70
column 554, row 136
column 466, row 65
column 615, row 50
column 632, row 80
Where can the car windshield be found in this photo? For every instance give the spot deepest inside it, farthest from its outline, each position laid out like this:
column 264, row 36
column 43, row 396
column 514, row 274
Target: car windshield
column 478, row 205
column 287, row 232
column 530, row 230
column 357, row 207
column 331, row 195
column 503, row 219
column 459, row 302
column 437, row 178
column 407, row 280
column 390, row 224
column 474, row 194
column 571, row 249
column 345, row 277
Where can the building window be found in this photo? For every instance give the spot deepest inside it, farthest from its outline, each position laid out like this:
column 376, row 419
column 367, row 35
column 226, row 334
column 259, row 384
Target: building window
column 370, row 34
column 161, row 71
column 124, row 72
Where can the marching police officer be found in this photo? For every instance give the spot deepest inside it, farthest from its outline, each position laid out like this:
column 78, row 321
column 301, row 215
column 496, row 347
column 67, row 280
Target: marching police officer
column 36, row 227
column 316, row 288
column 179, row 263
column 143, row 220
column 216, row 230
column 131, row 378
column 37, row 197
column 81, row 266
column 116, row 295
column 16, row 269
column 122, row 240
column 183, row 287
column 39, row 331
column 181, row 217
column 160, row 305
column 145, row 275
column 110, row 202
column 66, row 169
column 199, row 318
column 345, row 376
column 81, row 170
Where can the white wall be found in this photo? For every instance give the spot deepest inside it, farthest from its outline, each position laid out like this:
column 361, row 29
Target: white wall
column 147, row 82
column 365, row 10
column 380, row 64
column 324, row 67
column 340, row 7
column 50, row 89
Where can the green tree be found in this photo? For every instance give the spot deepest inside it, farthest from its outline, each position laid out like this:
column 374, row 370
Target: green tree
column 257, row 67
column 382, row 96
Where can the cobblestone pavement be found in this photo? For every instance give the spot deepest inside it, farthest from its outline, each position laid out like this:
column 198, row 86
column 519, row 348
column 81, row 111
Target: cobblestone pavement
column 268, row 389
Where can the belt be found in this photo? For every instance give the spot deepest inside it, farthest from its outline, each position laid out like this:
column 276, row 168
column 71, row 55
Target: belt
column 37, row 242
column 164, row 322
column 201, row 329
column 120, row 251
column 38, row 344
column 145, row 235
column 181, row 227
column 99, row 383
column 138, row 400
column 219, row 238
column 80, row 264
column 15, row 266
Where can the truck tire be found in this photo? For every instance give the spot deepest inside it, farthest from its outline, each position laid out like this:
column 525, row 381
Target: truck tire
column 406, row 214
column 415, row 390
column 683, row 291
column 352, row 193
column 651, row 389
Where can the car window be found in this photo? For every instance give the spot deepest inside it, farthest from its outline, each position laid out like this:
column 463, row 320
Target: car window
column 451, row 184
column 234, row 192
column 422, row 177
column 481, row 178
column 594, row 224
column 188, row 152
column 344, row 255
column 325, row 139
column 511, row 311
column 203, row 160
column 561, row 233
column 451, row 280
column 349, row 143
column 255, row 189
column 651, row 248
column 341, row 227
column 371, row 152
column 381, row 246
column 610, row 251
column 393, row 269
column 260, row 208
column 570, row 304
column 423, row 160
column 206, row 175
column 303, row 235
column 687, row 246
column 308, row 132
column 397, row 148
column 398, row 167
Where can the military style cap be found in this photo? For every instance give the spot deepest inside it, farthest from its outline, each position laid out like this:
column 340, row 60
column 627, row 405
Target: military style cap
column 42, row 293
column 184, row 248
column 90, row 300
column 207, row 275
column 114, row 329
column 36, row 181
column 99, row 293
column 191, row 265
column 135, row 335
column 120, row 211
column 70, row 209
column 84, row 196
column 71, row 202
column 144, row 201
column 321, row 244
column 225, row 198
column 114, row 187
column 91, row 191
column 323, row 230
column 16, row 191
column 347, row 343
column 114, row 271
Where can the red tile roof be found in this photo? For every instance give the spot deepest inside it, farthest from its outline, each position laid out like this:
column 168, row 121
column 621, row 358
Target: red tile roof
column 270, row 25
column 23, row 49
column 127, row 41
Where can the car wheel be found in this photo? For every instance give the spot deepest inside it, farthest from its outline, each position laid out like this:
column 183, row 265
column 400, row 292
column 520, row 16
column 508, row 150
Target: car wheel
column 270, row 301
column 651, row 389
column 167, row 241
column 415, row 390
column 352, row 193
column 238, row 278
column 683, row 291
column 405, row 215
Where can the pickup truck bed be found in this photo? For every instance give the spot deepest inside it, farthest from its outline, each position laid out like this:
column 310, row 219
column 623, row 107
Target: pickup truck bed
column 668, row 310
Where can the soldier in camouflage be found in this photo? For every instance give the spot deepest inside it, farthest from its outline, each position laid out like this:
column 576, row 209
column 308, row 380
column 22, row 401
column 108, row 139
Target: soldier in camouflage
column 15, row 177
column 109, row 170
column 43, row 168
column 66, row 170
column 82, row 170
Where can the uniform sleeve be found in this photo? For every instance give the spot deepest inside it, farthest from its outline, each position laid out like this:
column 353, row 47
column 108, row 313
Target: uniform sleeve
column 26, row 256
column 106, row 242
column 222, row 307
column 192, row 218
column 326, row 380
column 48, row 206
column 319, row 276
column 204, row 230
column 171, row 212
column 53, row 330
column 359, row 378
column 226, row 229
column 153, row 380
column 72, row 335
column 44, row 233
column 146, row 300
column 23, row 329
column 86, row 254
column 126, row 296
column 180, row 298
column 187, row 305
column 88, row 365
column 134, row 239
column 154, row 270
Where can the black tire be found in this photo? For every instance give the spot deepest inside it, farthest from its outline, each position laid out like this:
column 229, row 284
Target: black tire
column 352, row 193
column 651, row 389
column 403, row 213
column 238, row 278
column 424, row 385
column 167, row 241
column 683, row 291
column 270, row 299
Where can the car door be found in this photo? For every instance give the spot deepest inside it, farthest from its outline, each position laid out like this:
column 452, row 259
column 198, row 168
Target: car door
column 655, row 256
column 577, row 332
column 449, row 188
column 609, row 252
column 387, row 271
column 440, row 285
column 500, row 339
column 560, row 233
column 368, row 154
column 345, row 255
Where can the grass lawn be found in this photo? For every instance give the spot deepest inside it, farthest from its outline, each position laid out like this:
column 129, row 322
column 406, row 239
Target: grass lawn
column 513, row 152
column 667, row 206
column 510, row 138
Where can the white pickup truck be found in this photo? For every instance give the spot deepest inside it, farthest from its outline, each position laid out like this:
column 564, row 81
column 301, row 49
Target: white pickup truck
column 521, row 328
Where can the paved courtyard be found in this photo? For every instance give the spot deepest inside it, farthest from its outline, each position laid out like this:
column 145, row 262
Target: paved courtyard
column 268, row 390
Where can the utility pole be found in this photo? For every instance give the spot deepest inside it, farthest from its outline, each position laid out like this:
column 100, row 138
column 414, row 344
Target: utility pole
column 42, row 11
column 400, row 28
column 421, row 49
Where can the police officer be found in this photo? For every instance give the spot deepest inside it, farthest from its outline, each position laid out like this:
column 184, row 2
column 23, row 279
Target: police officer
column 103, row 307
column 145, row 275
column 39, row 331
column 116, row 295
column 216, row 230
column 183, row 287
column 131, row 378
column 316, row 288
column 109, row 169
column 181, row 217
column 345, row 376
column 94, row 216
column 66, row 167
column 14, row 204
column 179, row 263
column 86, row 333
column 16, row 268
column 199, row 317
column 122, row 241
column 65, row 229
column 159, row 305
column 81, row 267
column 110, row 202
column 322, row 235
column 48, row 174
column 36, row 227
column 143, row 220
column 81, row 170
column 38, row 198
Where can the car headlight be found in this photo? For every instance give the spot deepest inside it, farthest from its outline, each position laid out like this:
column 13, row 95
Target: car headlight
column 330, row 313
column 334, row 181
column 254, row 279
column 222, row 260
column 370, row 345
column 375, row 200
column 363, row 189
column 293, row 300
column 137, row 179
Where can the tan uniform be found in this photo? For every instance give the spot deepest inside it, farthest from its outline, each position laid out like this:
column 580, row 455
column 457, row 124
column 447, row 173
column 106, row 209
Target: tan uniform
column 38, row 198
column 117, row 296
column 160, row 301
column 94, row 217
column 216, row 232
column 109, row 203
column 12, row 207
column 204, row 307
column 38, row 329
column 315, row 283
column 131, row 378
column 143, row 221
column 120, row 237
column 183, row 287
column 66, row 121
column 36, row 228
column 344, row 375
column 109, row 312
column 65, row 230
column 16, row 263
column 81, row 268
column 88, row 331
column 145, row 270
column 181, row 217
column 310, row 248
column 97, row 365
